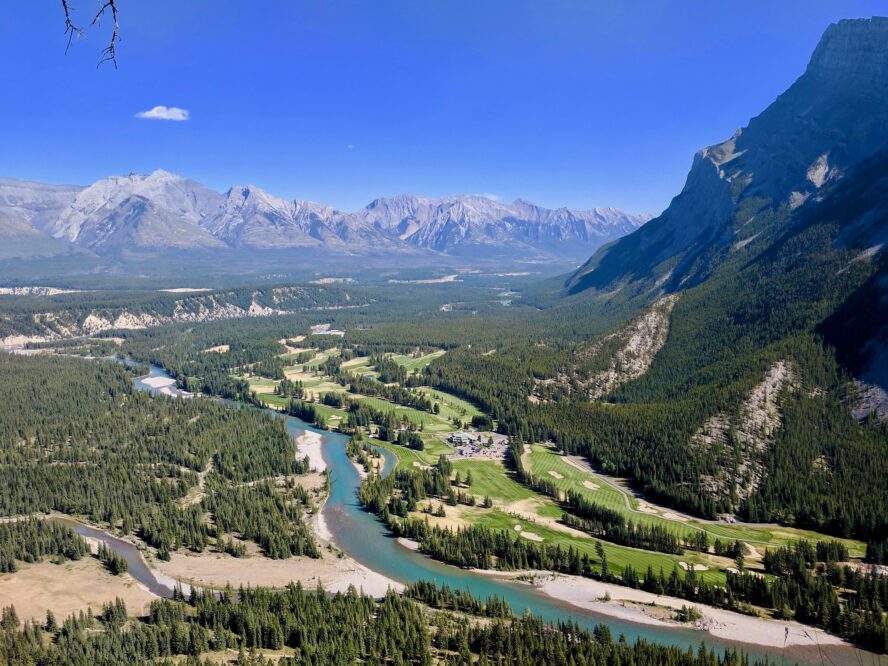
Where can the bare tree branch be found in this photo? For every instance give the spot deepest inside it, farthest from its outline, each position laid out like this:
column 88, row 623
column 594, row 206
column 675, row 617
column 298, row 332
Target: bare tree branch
column 109, row 53
column 70, row 28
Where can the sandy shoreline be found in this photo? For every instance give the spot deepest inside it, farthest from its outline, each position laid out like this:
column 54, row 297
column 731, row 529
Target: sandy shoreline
column 634, row 605
column 310, row 444
column 359, row 468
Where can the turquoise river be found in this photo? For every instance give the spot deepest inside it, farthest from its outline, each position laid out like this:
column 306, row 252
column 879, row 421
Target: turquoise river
column 364, row 538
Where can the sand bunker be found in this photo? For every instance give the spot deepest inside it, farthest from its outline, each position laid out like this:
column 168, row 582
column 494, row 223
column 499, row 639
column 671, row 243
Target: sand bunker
column 557, row 475
column 531, row 536
column 692, row 567
column 588, row 485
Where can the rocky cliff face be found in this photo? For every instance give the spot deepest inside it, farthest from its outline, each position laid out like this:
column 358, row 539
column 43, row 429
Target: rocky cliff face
column 832, row 118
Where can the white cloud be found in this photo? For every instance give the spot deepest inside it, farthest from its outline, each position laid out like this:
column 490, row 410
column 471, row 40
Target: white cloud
column 487, row 195
column 350, row 146
column 164, row 113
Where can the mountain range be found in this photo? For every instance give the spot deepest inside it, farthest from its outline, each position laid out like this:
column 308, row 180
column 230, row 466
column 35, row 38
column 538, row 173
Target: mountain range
column 142, row 213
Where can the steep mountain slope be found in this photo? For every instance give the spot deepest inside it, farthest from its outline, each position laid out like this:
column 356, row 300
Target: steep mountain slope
column 834, row 116
column 129, row 212
column 775, row 249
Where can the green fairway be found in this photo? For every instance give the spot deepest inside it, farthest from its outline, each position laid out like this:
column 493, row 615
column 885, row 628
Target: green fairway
column 618, row 557
column 259, row 383
column 430, row 422
column 319, row 359
column 291, row 356
column 358, row 365
column 435, row 447
column 489, row 478
column 543, row 461
column 327, row 412
column 273, row 400
column 407, row 457
column 450, row 406
column 411, row 363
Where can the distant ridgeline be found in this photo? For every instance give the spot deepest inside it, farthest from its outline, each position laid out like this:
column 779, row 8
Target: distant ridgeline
column 67, row 314
column 134, row 222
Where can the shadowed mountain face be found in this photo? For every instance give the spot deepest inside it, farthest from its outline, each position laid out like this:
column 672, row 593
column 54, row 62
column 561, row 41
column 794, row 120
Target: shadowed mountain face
column 781, row 229
column 830, row 120
column 130, row 214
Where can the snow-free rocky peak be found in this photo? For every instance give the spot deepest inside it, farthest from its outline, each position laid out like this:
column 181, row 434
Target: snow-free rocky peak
column 180, row 203
column 160, row 209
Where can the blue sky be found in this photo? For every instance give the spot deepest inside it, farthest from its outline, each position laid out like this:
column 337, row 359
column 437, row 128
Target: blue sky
column 562, row 102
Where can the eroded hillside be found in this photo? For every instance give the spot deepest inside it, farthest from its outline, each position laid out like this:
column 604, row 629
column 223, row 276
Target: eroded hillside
column 32, row 322
column 606, row 363
column 739, row 440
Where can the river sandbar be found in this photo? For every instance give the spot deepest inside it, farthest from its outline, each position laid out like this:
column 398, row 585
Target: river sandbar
column 334, row 573
column 724, row 624
column 310, row 444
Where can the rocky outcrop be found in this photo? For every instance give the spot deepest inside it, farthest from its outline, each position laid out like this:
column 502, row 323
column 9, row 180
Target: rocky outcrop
column 640, row 340
column 74, row 322
column 739, row 440
column 602, row 365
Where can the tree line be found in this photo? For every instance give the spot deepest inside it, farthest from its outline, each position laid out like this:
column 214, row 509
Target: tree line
column 331, row 630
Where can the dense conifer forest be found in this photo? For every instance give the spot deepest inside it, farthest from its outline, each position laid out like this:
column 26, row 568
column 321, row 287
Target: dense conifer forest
column 324, row 630
column 77, row 438
column 32, row 540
